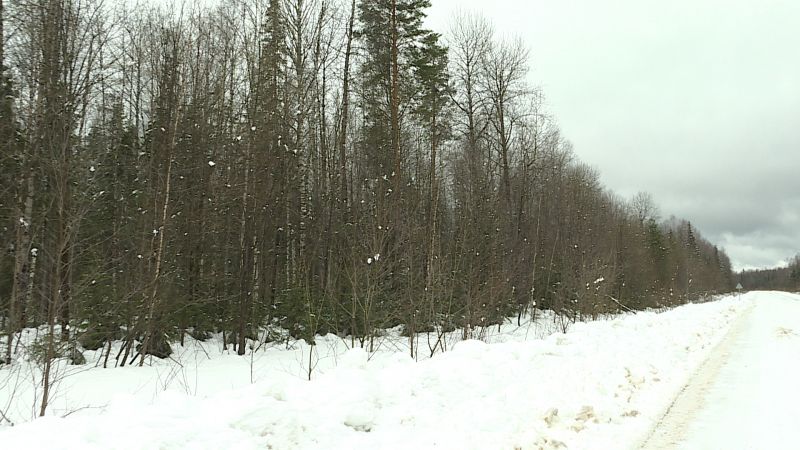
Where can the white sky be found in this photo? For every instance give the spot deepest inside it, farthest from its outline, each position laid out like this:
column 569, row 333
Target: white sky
column 694, row 101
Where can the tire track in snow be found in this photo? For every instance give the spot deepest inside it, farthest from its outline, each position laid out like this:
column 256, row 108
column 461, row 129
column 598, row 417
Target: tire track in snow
column 670, row 430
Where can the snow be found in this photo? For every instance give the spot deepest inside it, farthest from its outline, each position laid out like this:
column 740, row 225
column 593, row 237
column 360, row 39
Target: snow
column 602, row 384
column 745, row 396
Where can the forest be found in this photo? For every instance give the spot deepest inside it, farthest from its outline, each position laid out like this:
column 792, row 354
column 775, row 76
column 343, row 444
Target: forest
column 785, row 278
column 273, row 168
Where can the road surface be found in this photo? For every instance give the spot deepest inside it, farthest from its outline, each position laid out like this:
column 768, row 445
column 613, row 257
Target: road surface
column 747, row 394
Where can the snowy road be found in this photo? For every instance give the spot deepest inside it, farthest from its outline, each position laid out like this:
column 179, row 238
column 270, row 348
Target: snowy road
column 745, row 396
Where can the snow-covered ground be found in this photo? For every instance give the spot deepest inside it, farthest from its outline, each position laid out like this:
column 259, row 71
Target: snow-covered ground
column 601, row 385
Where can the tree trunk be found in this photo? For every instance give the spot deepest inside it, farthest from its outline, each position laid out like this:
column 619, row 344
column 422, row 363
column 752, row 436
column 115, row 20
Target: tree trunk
column 22, row 267
column 342, row 144
column 395, row 103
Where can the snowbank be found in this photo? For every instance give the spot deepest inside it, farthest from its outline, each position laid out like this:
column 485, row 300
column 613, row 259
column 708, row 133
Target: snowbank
column 601, row 385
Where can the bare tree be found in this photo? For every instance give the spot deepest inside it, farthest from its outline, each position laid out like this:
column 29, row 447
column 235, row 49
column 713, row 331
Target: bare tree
column 505, row 69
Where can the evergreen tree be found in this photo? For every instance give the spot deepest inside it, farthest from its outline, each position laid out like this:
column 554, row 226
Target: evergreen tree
column 379, row 35
column 658, row 254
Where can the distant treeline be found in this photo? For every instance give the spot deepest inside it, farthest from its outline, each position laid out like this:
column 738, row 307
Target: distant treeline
column 779, row 279
column 312, row 165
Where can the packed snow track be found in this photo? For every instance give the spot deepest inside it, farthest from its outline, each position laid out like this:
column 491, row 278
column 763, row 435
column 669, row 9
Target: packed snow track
column 745, row 395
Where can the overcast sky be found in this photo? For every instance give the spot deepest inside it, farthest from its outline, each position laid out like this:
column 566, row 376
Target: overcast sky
column 694, row 101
